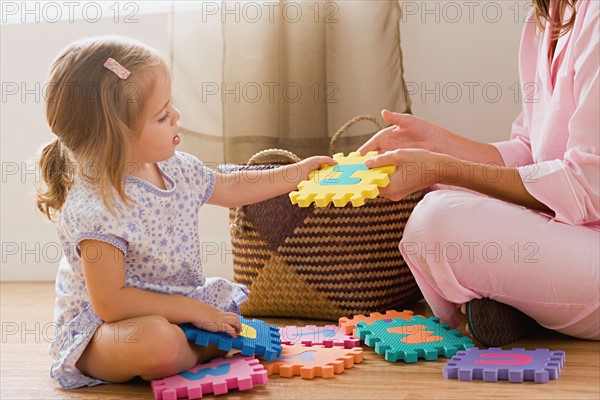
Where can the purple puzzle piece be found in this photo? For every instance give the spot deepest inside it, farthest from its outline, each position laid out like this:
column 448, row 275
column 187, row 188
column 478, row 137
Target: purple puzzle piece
column 216, row 376
column 515, row 365
column 309, row 335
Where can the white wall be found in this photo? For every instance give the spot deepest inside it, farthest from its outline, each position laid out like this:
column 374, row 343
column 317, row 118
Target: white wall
column 460, row 60
column 442, row 49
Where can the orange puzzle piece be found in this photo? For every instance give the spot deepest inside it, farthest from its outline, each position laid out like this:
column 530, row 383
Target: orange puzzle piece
column 416, row 334
column 349, row 324
column 312, row 361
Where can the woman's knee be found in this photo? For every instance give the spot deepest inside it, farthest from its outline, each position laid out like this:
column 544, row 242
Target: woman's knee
column 434, row 214
column 439, row 224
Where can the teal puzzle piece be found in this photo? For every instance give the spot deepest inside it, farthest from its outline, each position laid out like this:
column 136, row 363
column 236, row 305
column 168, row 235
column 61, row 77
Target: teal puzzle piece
column 345, row 178
column 400, row 339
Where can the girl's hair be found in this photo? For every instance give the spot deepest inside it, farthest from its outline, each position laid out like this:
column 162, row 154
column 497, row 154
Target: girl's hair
column 95, row 115
column 542, row 14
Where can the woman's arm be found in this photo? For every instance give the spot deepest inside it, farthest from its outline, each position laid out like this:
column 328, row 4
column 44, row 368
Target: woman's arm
column 418, row 169
column 104, row 271
column 251, row 186
column 427, row 154
column 410, row 132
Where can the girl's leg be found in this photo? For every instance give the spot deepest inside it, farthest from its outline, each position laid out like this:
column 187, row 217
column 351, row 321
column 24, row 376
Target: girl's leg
column 150, row 347
column 462, row 246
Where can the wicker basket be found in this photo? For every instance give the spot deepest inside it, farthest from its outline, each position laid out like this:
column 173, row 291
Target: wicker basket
column 320, row 263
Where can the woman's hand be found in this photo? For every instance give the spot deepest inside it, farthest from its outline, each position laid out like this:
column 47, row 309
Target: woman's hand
column 407, row 131
column 416, row 169
column 214, row 320
column 410, row 132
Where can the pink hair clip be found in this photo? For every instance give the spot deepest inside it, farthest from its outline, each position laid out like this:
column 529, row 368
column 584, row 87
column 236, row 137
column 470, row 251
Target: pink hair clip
column 117, row 68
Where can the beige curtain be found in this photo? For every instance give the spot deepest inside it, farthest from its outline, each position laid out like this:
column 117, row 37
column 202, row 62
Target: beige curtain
column 254, row 75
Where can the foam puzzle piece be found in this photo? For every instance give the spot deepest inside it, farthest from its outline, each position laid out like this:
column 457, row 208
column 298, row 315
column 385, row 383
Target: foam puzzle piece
column 309, row 335
column 405, row 340
column 515, row 365
column 256, row 338
column 348, row 181
column 217, row 376
column 309, row 362
column 348, row 325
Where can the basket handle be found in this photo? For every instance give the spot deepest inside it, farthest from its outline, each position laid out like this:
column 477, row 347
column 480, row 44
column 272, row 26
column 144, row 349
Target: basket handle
column 265, row 154
column 347, row 125
column 235, row 227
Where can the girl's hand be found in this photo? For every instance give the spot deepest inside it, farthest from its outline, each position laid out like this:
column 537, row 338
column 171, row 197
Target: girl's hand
column 416, row 169
column 214, row 320
column 407, row 131
column 313, row 163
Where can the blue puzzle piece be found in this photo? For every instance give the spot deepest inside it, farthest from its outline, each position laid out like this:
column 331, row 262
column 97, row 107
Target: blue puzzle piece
column 515, row 365
column 400, row 339
column 222, row 369
column 256, row 338
column 307, row 356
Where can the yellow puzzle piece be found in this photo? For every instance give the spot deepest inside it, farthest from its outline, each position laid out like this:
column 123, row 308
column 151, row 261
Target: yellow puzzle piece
column 349, row 180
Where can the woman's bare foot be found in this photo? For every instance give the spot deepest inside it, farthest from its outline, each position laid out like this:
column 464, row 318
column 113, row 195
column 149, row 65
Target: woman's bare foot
column 463, row 311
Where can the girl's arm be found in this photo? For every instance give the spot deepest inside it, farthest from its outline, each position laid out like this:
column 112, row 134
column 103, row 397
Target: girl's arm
column 104, row 271
column 251, row 186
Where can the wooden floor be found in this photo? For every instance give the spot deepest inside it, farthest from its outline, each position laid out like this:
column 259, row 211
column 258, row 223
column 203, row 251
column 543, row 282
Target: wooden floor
column 26, row 311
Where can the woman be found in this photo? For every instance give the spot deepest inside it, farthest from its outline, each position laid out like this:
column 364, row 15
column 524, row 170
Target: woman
column 513, row 230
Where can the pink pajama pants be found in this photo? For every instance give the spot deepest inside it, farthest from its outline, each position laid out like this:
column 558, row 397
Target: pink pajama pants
column 461, row 246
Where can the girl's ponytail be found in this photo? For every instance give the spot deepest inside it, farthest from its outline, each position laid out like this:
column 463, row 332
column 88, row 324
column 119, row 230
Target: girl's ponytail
column 57, row 172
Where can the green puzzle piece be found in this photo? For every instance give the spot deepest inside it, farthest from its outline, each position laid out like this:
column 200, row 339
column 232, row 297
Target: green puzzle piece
column 400, row 339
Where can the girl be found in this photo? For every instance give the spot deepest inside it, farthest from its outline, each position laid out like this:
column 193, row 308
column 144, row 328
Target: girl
column 127, row 206
column 528, row 252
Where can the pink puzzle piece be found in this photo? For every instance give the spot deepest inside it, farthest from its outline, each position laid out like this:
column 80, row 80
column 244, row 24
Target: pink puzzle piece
column 310, row 335
column 218, row 377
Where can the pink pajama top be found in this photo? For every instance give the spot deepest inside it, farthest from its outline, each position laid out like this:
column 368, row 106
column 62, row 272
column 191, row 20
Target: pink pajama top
column 555, row 140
